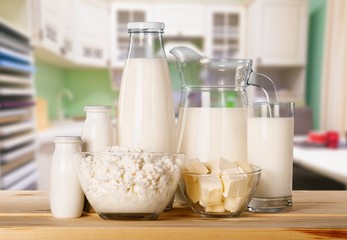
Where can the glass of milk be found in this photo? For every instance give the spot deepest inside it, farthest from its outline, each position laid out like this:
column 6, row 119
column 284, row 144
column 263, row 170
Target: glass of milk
column 270, row 129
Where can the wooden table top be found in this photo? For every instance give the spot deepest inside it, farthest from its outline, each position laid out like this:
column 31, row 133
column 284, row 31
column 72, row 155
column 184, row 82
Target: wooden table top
column 315, row 215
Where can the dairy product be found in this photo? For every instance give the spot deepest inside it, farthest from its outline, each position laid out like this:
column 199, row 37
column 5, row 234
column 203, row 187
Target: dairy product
column 195, row 166
column 128, row 181
column 66, row 195
column 270, row 146
column 145, row 108
column 192, row 187
column 210, row 188
column 228, row 190
column 210, row 134
column 98, row 132
column 234, row 185
column 234, row 204
column 216, row 208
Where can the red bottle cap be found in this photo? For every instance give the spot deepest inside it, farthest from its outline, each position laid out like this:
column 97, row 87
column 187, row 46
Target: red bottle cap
column 317, row 137
column 332, row 139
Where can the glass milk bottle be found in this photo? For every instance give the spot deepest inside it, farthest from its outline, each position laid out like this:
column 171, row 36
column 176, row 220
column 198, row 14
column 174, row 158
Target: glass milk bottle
column 97, row 133
column 145, row 116
column 66, row 195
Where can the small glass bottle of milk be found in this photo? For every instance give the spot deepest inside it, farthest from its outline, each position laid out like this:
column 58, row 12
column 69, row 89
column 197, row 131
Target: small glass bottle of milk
column 97, row 133
column 66, row 195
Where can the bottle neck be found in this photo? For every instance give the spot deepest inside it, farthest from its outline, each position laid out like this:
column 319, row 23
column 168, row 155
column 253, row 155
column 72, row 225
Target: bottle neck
column 68, row 146
column 99, row 115
column 146, row 44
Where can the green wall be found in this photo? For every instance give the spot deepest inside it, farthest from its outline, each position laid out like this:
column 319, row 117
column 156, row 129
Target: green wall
column 315, row 56
column 88, row 86
column 48, row 82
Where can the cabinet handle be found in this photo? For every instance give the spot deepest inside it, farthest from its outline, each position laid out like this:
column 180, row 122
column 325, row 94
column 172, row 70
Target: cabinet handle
column 51, row 33
column 67, row 45
column 87, row 52
column 98, row 53
column 41, row 35
column 62, row 50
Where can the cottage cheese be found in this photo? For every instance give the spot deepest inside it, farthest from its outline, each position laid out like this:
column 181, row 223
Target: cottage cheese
column 129, row 181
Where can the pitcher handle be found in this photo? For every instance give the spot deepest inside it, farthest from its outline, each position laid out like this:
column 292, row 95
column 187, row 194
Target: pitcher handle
column 272, row 97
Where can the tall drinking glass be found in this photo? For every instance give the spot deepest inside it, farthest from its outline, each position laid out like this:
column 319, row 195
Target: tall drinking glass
column 270, row 146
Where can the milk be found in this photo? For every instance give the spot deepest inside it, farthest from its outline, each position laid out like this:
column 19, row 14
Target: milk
column 212, row 133
column 270, row 146
column 66, row 195
column 145, row 110
column 97, row 133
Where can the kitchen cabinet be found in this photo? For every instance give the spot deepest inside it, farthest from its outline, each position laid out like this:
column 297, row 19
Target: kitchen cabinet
column 225, row 33
column 18, row 168
column 121, row 14
column 72, row 32
column 278, row 44
column 92, row 40
column 279, row 32
column 67, row 33
column 181, row 20
column 46, row 21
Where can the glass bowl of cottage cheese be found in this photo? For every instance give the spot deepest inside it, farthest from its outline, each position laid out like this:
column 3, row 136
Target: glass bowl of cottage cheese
column 219, row 189
column 128, row 184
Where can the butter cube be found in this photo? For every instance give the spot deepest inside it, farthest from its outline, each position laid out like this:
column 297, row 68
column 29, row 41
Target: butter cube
column 211, row 190
column 212, row 166
column 216, row 209
column 226, row 165
column 222, row 165
column 233, row 204
column 195, row 166
column 192, row 188
column 244, row 165
column 235, row 186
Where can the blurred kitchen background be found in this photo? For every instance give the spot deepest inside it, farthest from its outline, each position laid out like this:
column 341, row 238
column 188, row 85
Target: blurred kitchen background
column 56, row 56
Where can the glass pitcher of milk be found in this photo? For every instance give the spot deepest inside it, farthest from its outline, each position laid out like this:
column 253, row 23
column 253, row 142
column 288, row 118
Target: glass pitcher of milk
column 145, row 115
column 212, row 120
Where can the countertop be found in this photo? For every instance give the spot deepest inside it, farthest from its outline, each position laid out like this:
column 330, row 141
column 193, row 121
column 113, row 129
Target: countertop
column 315, row 215
column 329, row 162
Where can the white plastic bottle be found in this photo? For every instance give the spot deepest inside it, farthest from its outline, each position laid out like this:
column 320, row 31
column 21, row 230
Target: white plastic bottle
column 66, row 194
column 97, row 133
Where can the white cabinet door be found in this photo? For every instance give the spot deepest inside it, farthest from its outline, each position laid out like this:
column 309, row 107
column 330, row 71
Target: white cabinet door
column 225, row 34
column 280, row 31
column 48, row 24
column 185, row 20
column 121, row 14
column 92, row 32
column 67, row 28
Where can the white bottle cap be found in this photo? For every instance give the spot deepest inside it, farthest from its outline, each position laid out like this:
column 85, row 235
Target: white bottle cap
column 97, row 108
column 146, row 25
column 67, row 139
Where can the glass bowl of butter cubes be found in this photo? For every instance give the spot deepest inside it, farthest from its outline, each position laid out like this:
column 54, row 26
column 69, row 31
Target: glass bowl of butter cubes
column 219, row 188
column 128, row 184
